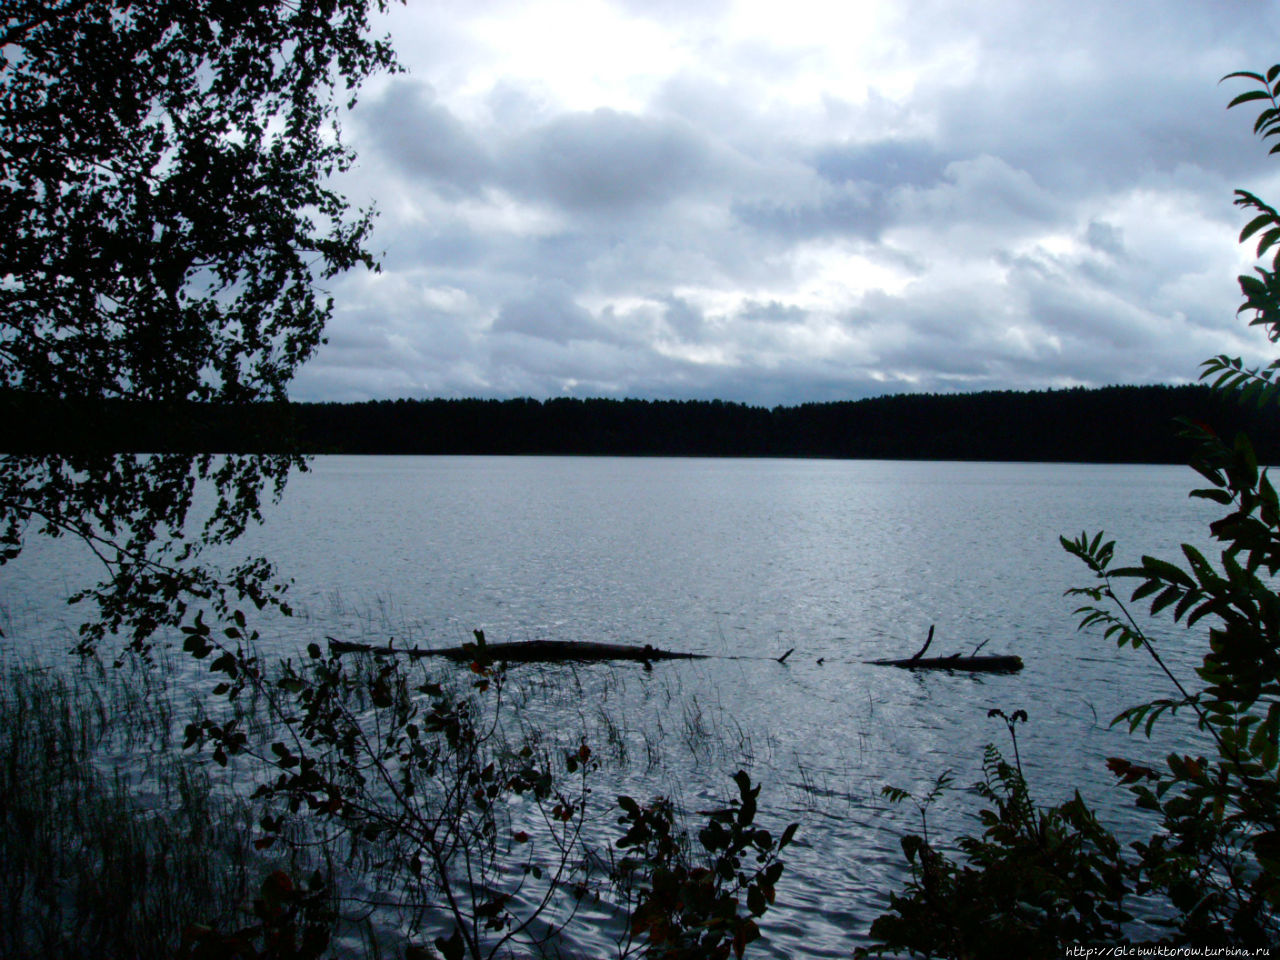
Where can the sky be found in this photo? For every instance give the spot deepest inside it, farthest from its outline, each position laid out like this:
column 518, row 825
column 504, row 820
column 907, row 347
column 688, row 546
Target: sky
column 781, row 202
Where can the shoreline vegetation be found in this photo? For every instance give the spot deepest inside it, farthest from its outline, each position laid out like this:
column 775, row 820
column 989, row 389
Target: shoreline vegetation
column 118, row 839
column 171, row 228
column 1121, row 424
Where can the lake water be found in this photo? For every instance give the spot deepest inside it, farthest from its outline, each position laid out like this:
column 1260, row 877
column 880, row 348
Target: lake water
column 844, row 561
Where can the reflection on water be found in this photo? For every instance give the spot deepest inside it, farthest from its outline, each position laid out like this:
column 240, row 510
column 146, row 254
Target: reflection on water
column 740, row 559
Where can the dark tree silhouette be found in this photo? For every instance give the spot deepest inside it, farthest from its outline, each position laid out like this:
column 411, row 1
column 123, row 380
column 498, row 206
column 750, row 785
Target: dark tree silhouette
column 166, row 229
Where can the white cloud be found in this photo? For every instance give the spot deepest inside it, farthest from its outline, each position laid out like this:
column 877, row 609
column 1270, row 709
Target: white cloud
column 781, row 203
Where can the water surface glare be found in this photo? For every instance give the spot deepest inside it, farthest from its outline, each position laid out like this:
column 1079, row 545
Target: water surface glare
column 844, row 561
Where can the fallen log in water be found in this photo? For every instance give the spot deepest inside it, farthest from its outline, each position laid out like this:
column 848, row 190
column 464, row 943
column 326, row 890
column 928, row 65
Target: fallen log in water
column 529, row 651
column 998, row 663
column 988, row 664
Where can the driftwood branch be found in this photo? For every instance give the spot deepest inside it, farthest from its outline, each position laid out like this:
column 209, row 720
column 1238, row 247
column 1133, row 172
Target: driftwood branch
column 920, row 653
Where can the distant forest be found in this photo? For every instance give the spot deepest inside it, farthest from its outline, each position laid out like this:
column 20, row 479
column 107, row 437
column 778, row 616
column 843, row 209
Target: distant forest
column 1112, row 424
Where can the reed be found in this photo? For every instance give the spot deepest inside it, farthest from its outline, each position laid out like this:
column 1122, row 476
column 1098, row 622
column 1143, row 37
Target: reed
column 99, row 855
column 114, row 839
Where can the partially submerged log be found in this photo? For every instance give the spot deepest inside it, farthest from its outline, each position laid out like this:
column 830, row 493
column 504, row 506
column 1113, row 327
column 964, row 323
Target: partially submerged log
column 999, row 663
column 529, row 651
column 987, row 664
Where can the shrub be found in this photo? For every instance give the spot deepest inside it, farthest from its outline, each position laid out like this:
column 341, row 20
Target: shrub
column 1037, row 880
column 417, row 774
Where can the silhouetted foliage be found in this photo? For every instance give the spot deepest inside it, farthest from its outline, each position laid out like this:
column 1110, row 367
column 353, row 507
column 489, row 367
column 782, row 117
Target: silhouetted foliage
column 684, row 910
column 422, row 774
column 165, row 224
column 1039, row 880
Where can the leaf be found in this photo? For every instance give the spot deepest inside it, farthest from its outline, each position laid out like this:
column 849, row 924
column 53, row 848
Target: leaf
column 1167, row 571
column 1256, row 224
column 1145, row 590
column 1268, row 240
column 1217, row 496
column 1168, row 596
column 1248, row 96
column 454, row 948
column 746, row 932
column 788, row 834
column 912, row 846
column 894, row 794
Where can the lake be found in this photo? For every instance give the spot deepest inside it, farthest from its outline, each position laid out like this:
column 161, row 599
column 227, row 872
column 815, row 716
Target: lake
column 844, row 561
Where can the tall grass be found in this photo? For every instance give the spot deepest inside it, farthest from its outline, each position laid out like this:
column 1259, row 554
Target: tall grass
column 114, row 839
column 111, row 840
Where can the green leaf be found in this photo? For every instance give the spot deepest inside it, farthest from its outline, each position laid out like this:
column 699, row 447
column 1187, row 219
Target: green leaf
column 1145, row 590
column 1249, row 96
column 1268, row 240
column 1217, row 496
column 1256, row 224
column 1198, row 563
column 1168, row 596
column 1167, row 571
column 1246, row 74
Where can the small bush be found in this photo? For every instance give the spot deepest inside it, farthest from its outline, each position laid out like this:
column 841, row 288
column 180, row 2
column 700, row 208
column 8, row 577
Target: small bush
column 1037, row 881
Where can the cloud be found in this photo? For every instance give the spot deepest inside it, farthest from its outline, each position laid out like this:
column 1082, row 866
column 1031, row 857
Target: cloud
column 779, row 204
column 551, row 314
column 413, row 132
column 887, row 163
column 849, row 209
column 605, row 162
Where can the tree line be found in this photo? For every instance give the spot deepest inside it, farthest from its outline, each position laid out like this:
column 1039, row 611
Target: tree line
column 1123, row 424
